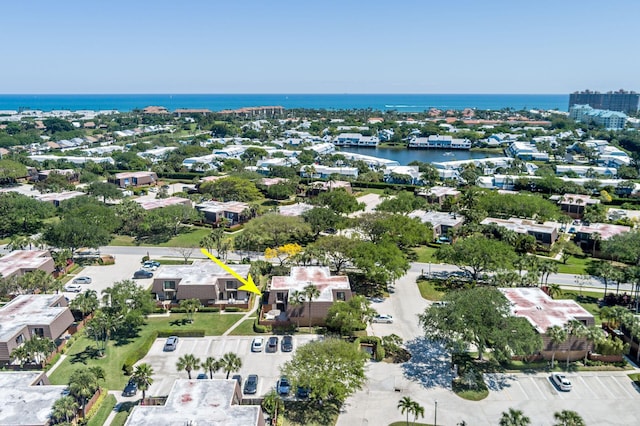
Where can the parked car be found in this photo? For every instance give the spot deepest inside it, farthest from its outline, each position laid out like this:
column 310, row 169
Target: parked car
column 302, row 392
column 377, row 299
column 142, row 274
column 387, row 319
column 171, row 344
column 81, row 280
column 272, row 344
column 131, row 389
column 283, row 387
column 76, row 288
column 258, row 344
column 151, row 265
column 287, row 344
column 202, row 376
column 237, row 378
column 251, row 385
column 561, row 381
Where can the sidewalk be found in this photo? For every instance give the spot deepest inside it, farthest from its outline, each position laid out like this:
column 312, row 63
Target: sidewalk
column 54, row 366
column 249, row 314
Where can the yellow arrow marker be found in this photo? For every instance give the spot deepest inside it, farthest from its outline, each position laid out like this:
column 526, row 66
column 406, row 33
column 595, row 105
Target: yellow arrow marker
column 248, row 284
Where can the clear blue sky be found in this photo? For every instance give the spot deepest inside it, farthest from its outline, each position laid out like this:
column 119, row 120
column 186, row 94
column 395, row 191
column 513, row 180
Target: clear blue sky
column 307, row 46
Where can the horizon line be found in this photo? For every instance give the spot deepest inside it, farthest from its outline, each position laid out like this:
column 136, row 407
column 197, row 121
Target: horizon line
column 274, row 93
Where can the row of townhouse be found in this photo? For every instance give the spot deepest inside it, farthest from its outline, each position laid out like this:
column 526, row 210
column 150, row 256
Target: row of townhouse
column 439, row 142
column 355, row 139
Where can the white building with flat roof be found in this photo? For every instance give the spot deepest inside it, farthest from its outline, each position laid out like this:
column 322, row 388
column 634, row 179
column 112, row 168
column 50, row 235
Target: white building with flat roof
column 27, row 398
column 199, row 402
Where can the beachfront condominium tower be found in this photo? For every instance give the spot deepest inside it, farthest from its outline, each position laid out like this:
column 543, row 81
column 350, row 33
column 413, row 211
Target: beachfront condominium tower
column 623, row 101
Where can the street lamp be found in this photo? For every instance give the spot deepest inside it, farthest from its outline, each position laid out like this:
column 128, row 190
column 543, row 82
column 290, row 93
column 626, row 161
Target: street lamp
column 435, row 414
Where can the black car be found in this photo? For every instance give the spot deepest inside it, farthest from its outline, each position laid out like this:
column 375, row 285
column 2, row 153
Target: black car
column 142, row 274
column 272, row 344
column 302, row 392
column 287, row 344
column 131, row 389
column 251, row 385
column 237, row 378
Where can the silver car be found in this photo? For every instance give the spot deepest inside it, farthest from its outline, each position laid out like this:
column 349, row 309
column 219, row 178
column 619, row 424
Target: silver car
column 561, row 381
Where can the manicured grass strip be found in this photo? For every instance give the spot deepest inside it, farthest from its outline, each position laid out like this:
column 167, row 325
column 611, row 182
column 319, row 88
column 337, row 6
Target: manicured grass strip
column 574, row 265
column 83, row 351
column 244, row 329
column 430, row 290
column 123, row 413
column 105, row 409
column 473, row 395
column 426, row 254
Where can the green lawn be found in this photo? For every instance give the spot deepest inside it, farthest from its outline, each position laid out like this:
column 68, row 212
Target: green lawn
column 103, row 412
column 426, row 254
column 244, row 329
column 190, row 238
column 575, row 265
column 82, row 351
column 431, row 290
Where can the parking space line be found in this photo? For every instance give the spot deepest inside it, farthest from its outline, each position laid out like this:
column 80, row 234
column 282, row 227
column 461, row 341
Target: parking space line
column 606, row 388
column 586, row 385
column 617, row 382
column 538, row 388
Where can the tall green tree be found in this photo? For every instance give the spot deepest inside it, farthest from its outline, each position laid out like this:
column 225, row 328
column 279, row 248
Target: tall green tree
column 106, row 190
column 514, row 417
column 64, row 409
column 347, row 317
column 230, row 362
column 231, row 189
column 477, row 255
column 339, row 201
column 188, row 362
column 568, row 418
column 212, row 365
column 143, row 377
column 557, row 335
column 481, row 317
column 331, row 369
column 407, row 405
column 191, row 306
column 310, row 292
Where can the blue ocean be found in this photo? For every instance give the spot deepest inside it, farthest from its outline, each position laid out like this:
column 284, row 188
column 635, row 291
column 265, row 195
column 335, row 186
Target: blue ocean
column 213, row 102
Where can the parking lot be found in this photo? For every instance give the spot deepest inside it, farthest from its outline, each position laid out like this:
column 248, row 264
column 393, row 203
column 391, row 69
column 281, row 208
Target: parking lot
column 585, row 386
column 265, row 365
column 104, row 276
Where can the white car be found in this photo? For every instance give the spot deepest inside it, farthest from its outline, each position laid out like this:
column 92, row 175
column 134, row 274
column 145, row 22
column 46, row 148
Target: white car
column 257, row 345
column 76, row 288
column 561, row 381
column 388, row 319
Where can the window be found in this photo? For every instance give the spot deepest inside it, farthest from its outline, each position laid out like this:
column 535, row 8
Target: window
column 231, row 285
column 38, row 332
column 280, row 296
column 340, row 295
column 169, row 285
column 19, row 339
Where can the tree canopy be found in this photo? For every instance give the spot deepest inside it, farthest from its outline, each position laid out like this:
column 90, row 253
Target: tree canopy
column 330, row 368
column 481, row 317
column 477, row 254
column 231, row 189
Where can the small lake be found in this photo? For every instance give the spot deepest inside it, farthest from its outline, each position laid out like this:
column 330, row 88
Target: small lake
column 405, row 156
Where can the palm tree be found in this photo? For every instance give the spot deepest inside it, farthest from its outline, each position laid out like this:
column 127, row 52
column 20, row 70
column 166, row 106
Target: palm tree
column 514, row 418
column 191, row 307
column 230, row 362
column 310, row 292
column 406, row 405
column 418, row 410
column 594, row 335
column 83, row 385
column 547, row 268
column 64, row 409
column 20, row 354
column 568, row 418
column 272, row 403
column 86, row 302
column 39, row 349
column 212, row 365
column 296, row 299
column 188, row 362
column 577, row 329
column 554, row 290
column 557, row 335
column 142, row 377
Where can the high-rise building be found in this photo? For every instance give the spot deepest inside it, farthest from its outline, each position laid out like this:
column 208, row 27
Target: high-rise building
column 623, row 101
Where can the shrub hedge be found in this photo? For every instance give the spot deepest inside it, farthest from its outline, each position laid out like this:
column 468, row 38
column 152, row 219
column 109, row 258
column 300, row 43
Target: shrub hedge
column 196, row 332
column 139, row 353
column 258, row 328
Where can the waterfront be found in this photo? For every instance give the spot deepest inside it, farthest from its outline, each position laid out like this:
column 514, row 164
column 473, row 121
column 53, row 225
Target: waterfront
column 405, row 156
column 217, row 102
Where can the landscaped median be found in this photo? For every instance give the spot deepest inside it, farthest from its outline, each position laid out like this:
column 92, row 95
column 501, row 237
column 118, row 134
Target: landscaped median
column 128, row 350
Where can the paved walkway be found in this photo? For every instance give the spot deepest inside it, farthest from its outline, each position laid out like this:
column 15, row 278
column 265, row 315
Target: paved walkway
column 249, row 314
column 56, row 365
column 119, row 401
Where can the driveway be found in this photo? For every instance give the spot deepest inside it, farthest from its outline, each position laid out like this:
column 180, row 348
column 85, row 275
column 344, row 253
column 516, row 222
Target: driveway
column 265, row 365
